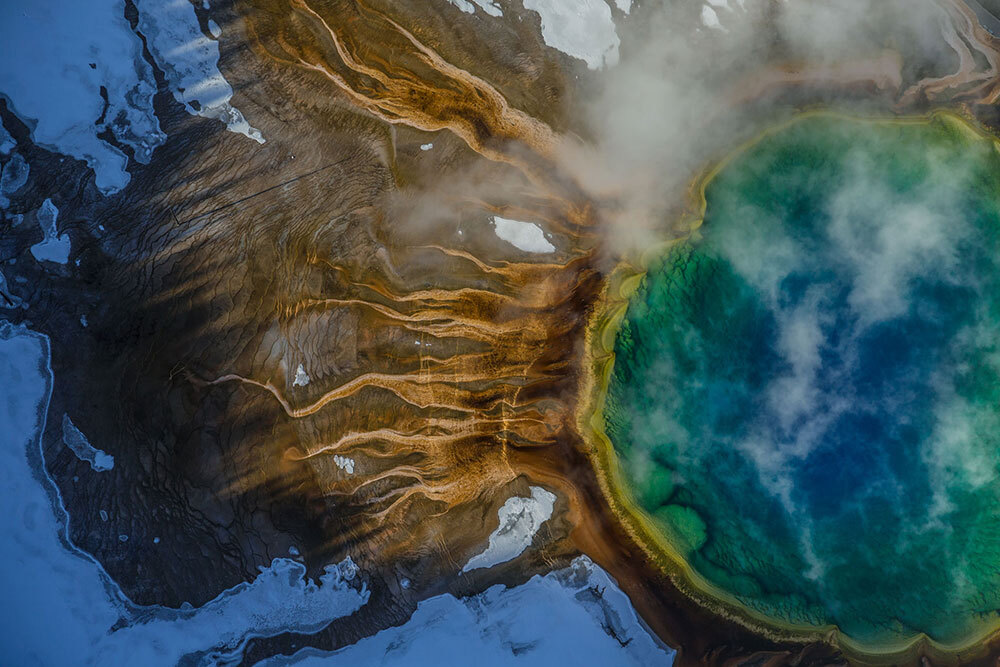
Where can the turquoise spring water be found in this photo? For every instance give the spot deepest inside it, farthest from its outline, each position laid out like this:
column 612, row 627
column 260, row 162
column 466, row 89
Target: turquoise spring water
column 806, row 395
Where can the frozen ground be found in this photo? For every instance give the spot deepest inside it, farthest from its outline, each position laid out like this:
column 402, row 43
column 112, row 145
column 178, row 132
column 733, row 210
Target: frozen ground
column 54, row 247
column 14, row 176
column 78, row 48
column 301, row 378
column 576, row 616
column 488, row 6
column 579, row 28
column 583, row 29
column 7, row 142
column 520, row 518
column 96, row 78
column 78, row 443
column 344, row 463
column 60, row 608
column 190, row 61
column 526, row 236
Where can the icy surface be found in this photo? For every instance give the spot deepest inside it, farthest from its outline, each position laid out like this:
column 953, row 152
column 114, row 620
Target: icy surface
column 520, row 518
column 579, row 28
column 301, row 377
column 710, row 18
column 13, row 178
column 8, row 300
column 53, row 248
column 488, row 6
column 526, row 236
column 344, row 463
column 190, row 61
column 426, row 147
column 7, row 142
column 574, row 616
column 57, row 56
column 59, row 606
column 15, row 175
column 78, row 443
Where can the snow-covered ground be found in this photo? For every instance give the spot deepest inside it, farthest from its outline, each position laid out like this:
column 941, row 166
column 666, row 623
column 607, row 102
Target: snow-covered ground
column 60, row 607
column 7, row 142
column 84, row 51
column 301, row 378
column 583, row 29
column 54, row 247
column 191, row 62
column 76, row 48
column 14, row 176
column 79, row 445
column 344, row 463
column 520, row 518
column 488, row 6
column 526, row 236
column 576, row 616
column 8, row 298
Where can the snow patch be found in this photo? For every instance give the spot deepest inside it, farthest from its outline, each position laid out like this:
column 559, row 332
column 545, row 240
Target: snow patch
column 7, row 298
column 488, row 6
column 58, row 55
column 190, row 61
column 526, row 236
column 344, row 463
column 15, row 175
column 583, row 29
column 573, row 616
column 7, row 142
column 520, row 518
column 79, row 445
column 426, row 147
column 301, row 377
column 54, row 591
column 710, row 18
column 53, row 248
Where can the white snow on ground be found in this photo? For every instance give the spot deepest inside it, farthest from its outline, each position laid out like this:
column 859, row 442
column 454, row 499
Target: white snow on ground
column 426, row 147
column 624, row 5
column 520, row 518
column 710, row 18
column 344, row 463
column 301, row 377
column 8, row 300
column 526, row 236
column 79, row 445
column 488, row 6
column 46, row 73
column 190, row 61
column 13, row 178
column 574, row 616
column 579, row 28
column 7, row 142
column 59, row 606
column 53, row 248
